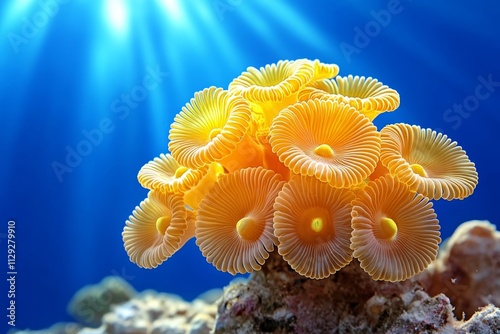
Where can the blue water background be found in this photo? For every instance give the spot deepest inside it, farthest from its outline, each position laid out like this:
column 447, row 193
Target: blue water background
column 68, row 76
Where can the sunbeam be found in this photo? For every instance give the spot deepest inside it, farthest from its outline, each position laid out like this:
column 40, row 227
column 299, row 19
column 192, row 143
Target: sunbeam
column 116, row 12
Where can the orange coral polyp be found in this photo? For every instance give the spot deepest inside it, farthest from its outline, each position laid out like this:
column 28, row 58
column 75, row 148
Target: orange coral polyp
column 395, row 231
column 312, row 222
column 367, row 95
column 165, row 174
column 429, row 162
column 303, row 134
column 209, row 128
column 380, row 170
column 155, row 230
column 234, row 223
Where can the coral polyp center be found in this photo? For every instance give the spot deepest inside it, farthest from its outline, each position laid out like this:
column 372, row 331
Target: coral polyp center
column 214, row 132
column 324, row 151
column 389, row 228
column 180, row 171
column 246, row 228
column 317, row 224
column 418, row 169
column 162, row 224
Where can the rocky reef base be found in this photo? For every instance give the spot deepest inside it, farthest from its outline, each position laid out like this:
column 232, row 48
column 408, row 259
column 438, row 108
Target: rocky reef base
column 456, row 294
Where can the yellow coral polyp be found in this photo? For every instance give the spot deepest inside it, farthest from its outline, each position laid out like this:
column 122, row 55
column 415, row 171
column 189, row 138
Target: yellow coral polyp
column 324, row 151
column 180, row 171
column 288, row 157
column 246, row 229
column 162, row 224
column 165, row 174
column 314, row 223
column 317, row 224
column 209, row 127
column 367, row 95
column 418, row 169
column 388, row 227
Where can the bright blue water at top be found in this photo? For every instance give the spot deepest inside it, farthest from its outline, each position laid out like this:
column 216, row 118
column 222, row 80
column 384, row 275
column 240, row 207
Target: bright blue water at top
column 67, row 74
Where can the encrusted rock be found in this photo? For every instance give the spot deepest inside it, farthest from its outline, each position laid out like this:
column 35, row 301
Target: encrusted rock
column 169, row 326
column 158, row 313
column 468, row 268
column 201, row 324
column 92, row 302
column 278, row 300
column 59, row 328
column 485, row 321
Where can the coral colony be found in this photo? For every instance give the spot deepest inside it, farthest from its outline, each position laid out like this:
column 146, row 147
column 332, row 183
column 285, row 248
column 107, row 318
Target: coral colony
column 288, row 157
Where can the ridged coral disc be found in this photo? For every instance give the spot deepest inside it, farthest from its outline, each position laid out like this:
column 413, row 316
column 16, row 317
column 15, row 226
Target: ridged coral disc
column 324, row 71
column 414, row 246
column 366, row 94
column 209, row 127
column 145, row 244
column 276, row 81
column 165, row 174
column 312, row 222
column 301, row 134
column 449, row 173
column 234, row 227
